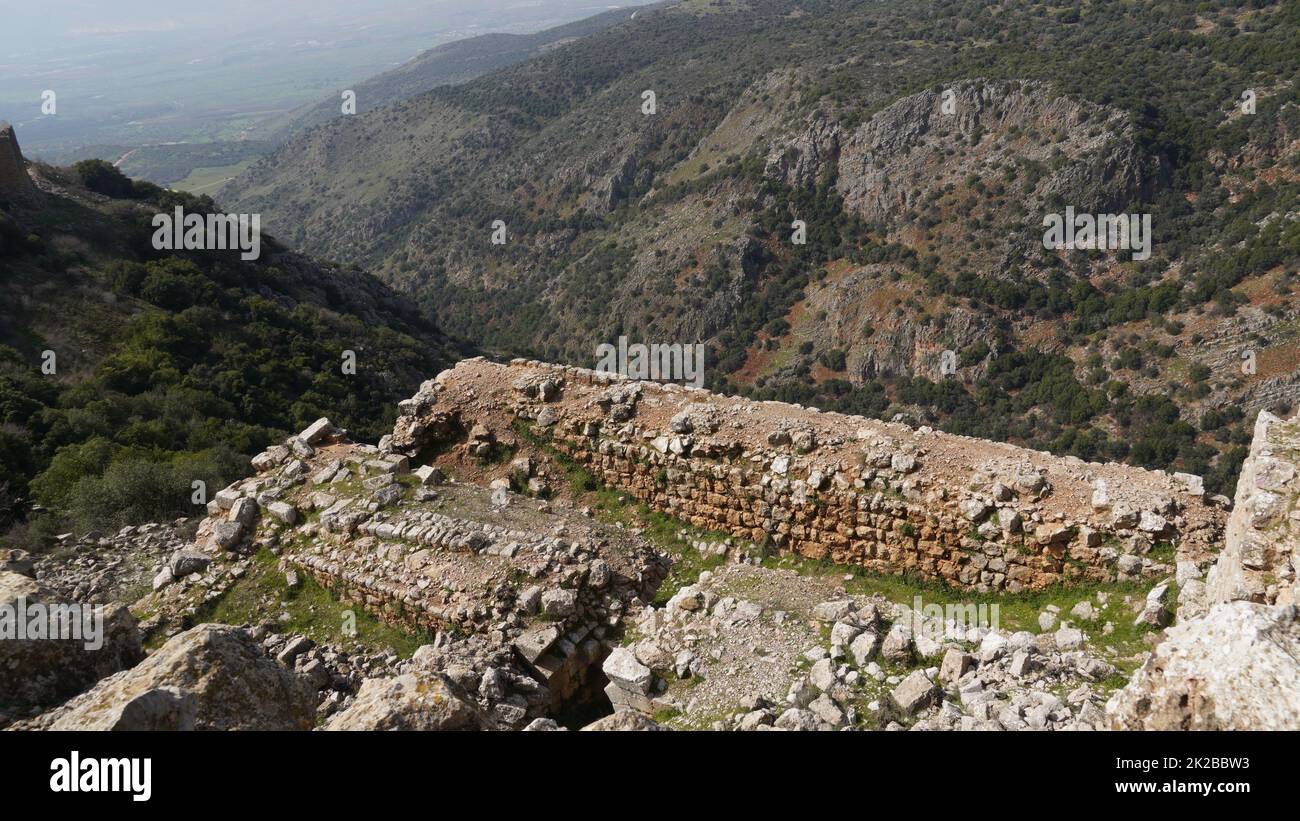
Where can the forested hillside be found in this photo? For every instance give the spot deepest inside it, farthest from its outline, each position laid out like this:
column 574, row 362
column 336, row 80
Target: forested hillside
column 127, row 374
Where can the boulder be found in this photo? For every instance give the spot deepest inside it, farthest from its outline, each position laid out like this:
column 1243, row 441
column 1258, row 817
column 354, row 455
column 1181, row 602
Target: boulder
column 283, row 511
column 317, row 432
column 916, row 692
column 624, row 721
column 244, row 511
column 17, row 561
column 622, row 668
column 419, row 700
column 955, row 665
column 843, row 633
column 270, row 458
column 833, row 611
column 560, row 602
column 1155, row 611
column 429, row 475
column 1069, row 638
column 898, row 646
column 215, row 677
column 185, row 562
column 534, row 642
column 864, row 648
column 37, row 671
column 797, row 718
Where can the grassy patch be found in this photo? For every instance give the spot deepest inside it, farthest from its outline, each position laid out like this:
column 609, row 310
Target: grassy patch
column 1015, row 611
column 264, row 593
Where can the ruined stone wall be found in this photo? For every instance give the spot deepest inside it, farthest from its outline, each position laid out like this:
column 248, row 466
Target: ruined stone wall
column 1232, row 660
column 15, row 184
column 1262, row 545
column 975, row 514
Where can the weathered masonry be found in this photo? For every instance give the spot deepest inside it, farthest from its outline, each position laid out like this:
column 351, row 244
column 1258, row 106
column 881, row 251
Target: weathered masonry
column 977, row 514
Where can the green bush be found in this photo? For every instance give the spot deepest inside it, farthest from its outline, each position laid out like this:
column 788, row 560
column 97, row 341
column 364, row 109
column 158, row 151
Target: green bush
column 102, row 177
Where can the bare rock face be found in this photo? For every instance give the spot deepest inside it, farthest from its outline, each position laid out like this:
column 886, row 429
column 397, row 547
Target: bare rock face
column 415, row 701
column 1234, row 669
column 16, row 185
column 211, row 677
column 907, row 142
column 37, row 671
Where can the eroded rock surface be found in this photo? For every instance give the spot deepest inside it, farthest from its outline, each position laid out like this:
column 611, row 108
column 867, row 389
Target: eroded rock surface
column 1232, row 662
column 1235, row 668
column 1262, row 544
column 212, row 677
column 40, row 670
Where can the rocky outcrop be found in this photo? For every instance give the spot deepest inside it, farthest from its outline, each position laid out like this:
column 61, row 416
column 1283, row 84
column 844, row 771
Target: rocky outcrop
column 898, row 345
column 1262, row 545
column 1235, row 668
column 924, row 142
column 976, row 514
column 413, row 701
column 211, row 677
column 16, row 186
column 42, row 669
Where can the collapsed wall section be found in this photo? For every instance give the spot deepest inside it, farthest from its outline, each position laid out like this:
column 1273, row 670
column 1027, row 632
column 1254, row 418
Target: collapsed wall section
column 972, row 513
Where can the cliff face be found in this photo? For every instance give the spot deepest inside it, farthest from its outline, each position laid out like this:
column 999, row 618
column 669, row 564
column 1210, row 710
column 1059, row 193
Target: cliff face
column 16, row 186
column 910, row 154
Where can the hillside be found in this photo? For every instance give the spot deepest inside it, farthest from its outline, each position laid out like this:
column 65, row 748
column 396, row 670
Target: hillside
column 127, row 374
column 448, row 64
column 924, row 229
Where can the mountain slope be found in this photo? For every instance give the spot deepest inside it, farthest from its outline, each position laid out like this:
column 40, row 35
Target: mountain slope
column 127, row 374
column 448, row 64
column 924, row 229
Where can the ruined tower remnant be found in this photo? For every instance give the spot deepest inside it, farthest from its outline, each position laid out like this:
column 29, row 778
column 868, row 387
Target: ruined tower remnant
column 16, row 186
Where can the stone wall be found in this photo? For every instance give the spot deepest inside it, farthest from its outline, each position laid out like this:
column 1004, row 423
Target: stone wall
column 1262, row 545
column 1232, row 662
column 537, row 590
column 975, row 514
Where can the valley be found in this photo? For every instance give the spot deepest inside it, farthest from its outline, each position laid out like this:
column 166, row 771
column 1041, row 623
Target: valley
column 737, row 365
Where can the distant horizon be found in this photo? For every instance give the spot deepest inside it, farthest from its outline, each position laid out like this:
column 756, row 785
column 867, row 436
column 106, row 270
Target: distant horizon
column 141, row 72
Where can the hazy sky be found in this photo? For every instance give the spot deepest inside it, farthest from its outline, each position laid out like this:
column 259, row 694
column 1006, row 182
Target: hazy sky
column 140, row 71
column 51, row 25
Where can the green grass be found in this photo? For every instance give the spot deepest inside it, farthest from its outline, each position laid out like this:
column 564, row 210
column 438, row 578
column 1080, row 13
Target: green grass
column 313, row 610
column 1016, row 611
column 208, row 180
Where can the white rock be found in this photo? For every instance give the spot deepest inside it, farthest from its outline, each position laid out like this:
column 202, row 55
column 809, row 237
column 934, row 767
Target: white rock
column 622, row 668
